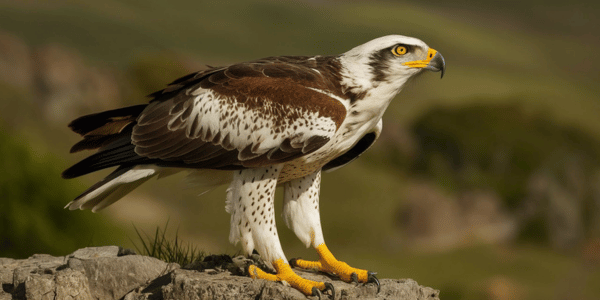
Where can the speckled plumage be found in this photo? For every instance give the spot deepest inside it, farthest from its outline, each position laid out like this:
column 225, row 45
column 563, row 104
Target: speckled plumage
column 256, row 125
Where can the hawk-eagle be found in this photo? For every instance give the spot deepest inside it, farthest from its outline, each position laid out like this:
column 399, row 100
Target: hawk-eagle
column 276, row 121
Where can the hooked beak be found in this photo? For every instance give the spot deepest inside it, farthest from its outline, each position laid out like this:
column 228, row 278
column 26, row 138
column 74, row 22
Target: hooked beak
column 434, row 62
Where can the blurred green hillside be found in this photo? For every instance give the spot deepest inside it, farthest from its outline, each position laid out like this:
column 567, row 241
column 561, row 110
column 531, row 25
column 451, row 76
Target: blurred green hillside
column 545, row 53
column 483, row 185
column 33, row 219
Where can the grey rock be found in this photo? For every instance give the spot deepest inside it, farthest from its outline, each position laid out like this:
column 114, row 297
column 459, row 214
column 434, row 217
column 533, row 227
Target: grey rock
column 16, row 66
column 68, row 86
column 71, row 285
column 556, row 201
column 105, row 273
column 95, row 252
column 6, row 261
column 433, row 220
column 40, row 287
column 113, row 277
column 6, row 274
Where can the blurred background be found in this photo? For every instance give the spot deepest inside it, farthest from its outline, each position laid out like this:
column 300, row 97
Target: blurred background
column 485, row 185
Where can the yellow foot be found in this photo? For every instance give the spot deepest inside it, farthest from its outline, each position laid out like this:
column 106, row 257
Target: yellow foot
column 329, row 264
column 285, row 273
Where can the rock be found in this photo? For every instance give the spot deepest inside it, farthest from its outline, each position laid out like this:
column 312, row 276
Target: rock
column 40, row 287
column 67, row 86
column 590, row 251
column 95, row 252
column 113, row 277
column 106, row 273
column 71, row 284
column 437, row 221
column 431, row 219
column 16, row 66
column 556, row 202
column 484, row 217
column 501, row 287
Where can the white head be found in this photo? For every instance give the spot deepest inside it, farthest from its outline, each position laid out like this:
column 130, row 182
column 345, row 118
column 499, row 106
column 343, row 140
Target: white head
column 390, row 60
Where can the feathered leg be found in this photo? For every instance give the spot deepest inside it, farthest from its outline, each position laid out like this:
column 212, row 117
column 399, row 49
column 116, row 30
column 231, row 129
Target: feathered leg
column 301, row 214
column 250, row 201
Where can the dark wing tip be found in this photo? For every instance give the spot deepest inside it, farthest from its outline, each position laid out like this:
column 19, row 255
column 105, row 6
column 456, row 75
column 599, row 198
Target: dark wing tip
column 88, row 123
column 69, row 173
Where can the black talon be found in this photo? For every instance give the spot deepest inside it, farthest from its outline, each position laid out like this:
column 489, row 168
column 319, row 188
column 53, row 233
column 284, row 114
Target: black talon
column 372, row 278
column 354, row 277
column 292, row 262
column 329, row 286
column 316, row 292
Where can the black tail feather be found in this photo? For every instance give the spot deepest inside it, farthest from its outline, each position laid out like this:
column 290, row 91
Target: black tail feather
column 86, row 124
column 91, row 142
column 110, row 132
column 123, row 155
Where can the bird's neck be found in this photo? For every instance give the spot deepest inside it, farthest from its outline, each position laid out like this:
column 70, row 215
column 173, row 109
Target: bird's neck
column 359, row 83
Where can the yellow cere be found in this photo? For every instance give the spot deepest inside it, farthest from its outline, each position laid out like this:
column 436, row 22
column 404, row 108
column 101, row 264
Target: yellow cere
column 422, row 63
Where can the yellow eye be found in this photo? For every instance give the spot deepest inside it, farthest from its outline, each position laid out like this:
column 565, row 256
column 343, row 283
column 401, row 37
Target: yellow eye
column 399, row 50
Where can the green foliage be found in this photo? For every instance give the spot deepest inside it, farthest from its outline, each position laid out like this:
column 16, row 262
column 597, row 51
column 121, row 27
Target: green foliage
column 171, row 251
column 32, row 218
column 497, row 147
column 503, row 148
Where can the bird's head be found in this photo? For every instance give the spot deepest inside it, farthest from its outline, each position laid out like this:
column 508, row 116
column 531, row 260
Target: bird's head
column 392, row 59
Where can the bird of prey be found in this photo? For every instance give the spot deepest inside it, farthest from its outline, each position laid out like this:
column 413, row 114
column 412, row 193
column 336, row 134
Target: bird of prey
column 276, row 121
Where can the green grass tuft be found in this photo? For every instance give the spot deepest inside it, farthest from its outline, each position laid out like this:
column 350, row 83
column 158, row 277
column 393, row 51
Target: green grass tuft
column 168, row 250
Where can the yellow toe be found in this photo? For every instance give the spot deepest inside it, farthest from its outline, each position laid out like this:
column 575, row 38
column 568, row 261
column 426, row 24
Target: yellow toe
column 329, row 264
column 285, row 273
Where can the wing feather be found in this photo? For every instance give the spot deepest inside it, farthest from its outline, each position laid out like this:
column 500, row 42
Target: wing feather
column 245, row 115
column 353, row 153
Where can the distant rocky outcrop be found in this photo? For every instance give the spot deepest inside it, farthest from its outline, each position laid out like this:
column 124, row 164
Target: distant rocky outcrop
column 16, row 63
column 67, row 86
column 61, row 82
column 436, row 221
column 112, row 272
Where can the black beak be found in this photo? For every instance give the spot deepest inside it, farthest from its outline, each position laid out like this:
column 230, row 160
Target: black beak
column 437, row 64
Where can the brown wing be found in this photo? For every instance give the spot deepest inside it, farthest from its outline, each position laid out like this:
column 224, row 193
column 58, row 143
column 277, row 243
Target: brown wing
column 245, row 115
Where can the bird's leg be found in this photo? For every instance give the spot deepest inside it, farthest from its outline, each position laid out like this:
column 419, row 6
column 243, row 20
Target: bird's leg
column 301, row 214
column 250, row 200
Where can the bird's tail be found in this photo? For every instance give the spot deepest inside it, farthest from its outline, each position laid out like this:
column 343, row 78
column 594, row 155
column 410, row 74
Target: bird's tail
column 112, row 188
column 110, row 133
column 102, row 129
